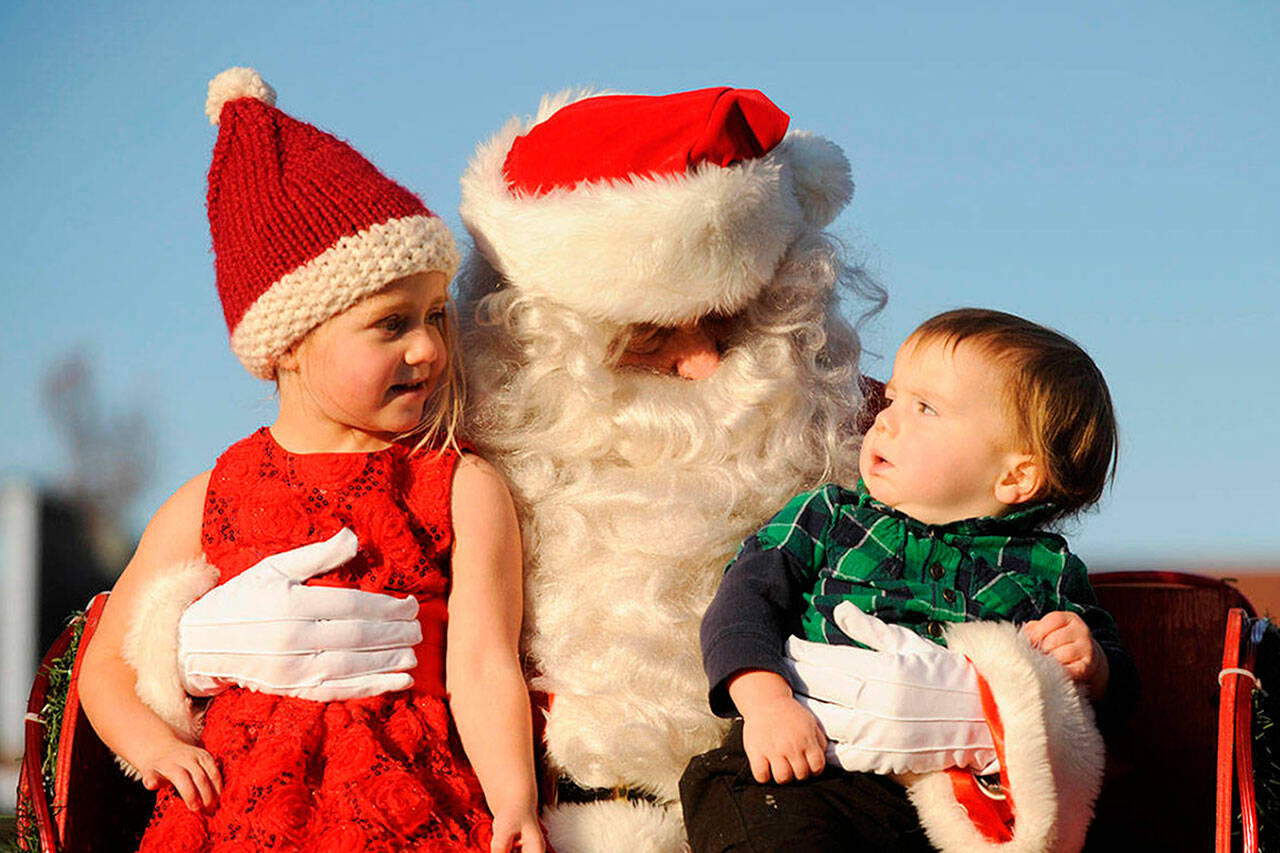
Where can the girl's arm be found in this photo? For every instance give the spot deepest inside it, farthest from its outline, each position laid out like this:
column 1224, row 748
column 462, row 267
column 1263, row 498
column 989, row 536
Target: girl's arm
column 128, row 727
column 488, row 696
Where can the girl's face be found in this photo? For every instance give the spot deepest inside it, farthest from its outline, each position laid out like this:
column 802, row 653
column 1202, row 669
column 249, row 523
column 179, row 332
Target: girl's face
column 366, row 373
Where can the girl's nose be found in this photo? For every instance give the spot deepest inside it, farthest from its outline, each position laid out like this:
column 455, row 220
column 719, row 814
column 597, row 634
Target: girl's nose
column 694, row 351
column 424, row 346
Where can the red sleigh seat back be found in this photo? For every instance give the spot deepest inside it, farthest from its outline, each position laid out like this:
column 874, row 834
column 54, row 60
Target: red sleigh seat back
column 1159, row 792
column 92, row 805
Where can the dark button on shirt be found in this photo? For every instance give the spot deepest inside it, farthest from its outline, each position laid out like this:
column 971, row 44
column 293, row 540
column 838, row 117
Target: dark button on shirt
column 936, row 571
column 934, row 628
column 949, row 595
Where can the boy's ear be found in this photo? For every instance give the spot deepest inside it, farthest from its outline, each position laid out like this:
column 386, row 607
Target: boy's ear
column 1021, row 481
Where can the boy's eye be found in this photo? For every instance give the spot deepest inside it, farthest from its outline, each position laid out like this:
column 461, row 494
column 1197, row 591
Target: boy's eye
column 924, row 408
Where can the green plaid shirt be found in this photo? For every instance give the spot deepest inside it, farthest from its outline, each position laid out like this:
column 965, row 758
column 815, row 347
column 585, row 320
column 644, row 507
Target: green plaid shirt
column 850, row 547
column 835, row 544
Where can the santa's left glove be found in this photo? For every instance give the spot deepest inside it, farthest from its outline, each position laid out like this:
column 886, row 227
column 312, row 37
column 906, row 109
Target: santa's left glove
column 265, row 630
column 901, row 705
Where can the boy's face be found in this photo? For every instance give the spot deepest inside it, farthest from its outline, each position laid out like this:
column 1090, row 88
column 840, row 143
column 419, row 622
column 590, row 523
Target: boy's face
column 946, row 448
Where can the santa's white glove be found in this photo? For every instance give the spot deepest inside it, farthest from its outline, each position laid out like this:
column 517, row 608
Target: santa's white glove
column 265, row 630
column 905, row 705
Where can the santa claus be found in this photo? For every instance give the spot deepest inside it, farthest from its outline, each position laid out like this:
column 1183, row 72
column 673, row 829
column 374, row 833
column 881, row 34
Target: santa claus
column 659, row 354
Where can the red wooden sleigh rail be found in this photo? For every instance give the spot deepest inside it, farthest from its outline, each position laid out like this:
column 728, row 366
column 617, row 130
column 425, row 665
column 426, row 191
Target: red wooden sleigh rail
column 1170, row 780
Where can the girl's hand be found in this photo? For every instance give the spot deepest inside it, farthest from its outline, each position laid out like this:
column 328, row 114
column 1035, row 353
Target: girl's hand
column 517, row 830
column 1066, row 638
column 190, row 769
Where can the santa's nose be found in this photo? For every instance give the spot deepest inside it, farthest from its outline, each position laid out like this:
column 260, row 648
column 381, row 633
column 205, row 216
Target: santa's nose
column 694, row 351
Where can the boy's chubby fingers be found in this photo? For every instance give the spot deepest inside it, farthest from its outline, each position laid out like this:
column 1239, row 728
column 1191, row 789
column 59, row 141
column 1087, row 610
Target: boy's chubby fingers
column 816, row 759
column 759, row 767
column 1037, row 631
column 800, row 767
column 781, row 769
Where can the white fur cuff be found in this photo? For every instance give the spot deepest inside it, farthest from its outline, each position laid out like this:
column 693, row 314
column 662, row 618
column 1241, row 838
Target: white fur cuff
column 1053, row 753
column 613, row 826
column 151, row 643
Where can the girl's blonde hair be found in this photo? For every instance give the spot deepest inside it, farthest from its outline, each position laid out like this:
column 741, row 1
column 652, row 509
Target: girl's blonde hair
column 443, row 411
column 1056, row 394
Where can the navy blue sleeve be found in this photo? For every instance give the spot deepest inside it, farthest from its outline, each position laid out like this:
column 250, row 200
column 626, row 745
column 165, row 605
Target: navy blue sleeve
column 746, row 627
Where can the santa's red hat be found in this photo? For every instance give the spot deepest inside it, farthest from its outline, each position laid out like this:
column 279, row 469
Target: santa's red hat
column 655, row 209
column 303, row 225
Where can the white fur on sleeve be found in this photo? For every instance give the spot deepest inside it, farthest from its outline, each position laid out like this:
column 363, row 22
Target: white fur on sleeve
column 612, row 826
column 1053, row 753
column 151, row 644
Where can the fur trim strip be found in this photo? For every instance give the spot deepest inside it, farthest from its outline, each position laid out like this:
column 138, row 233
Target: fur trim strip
column 653, row 249
column 1053, row 753
column 151, row 645
column 356, row 266
column 613, row 826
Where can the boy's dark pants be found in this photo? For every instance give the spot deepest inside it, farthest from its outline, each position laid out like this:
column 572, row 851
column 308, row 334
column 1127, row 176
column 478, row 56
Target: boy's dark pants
column 727, row 811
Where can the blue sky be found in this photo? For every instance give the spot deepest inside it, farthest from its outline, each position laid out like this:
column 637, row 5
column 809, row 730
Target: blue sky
column 1108, row 169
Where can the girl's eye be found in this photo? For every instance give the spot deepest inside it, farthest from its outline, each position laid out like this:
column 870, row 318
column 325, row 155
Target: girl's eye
column 392, row 324
column 437, row 317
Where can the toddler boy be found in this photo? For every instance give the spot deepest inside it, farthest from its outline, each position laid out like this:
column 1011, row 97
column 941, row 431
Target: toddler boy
column 995, row 428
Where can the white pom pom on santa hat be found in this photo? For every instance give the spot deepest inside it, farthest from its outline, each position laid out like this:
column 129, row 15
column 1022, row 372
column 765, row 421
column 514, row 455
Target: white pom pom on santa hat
column 236, row 83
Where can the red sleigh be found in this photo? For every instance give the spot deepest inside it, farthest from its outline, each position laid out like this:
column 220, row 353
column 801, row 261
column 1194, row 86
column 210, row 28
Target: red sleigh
column 1170, row 781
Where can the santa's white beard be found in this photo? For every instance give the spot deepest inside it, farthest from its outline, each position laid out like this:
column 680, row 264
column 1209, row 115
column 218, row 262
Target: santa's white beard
column 635, row 491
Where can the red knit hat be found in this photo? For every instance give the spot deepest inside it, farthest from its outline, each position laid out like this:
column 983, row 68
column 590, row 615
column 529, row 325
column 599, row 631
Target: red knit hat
column 656, row 209
column 303, row 226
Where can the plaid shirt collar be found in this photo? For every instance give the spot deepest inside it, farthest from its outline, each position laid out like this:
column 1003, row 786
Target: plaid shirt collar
column 1021, row 521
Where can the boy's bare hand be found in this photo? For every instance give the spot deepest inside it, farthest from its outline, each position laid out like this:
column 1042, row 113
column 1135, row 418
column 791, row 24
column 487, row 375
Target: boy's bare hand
column 783, row 741
column 190, row 769
column 1065, row 637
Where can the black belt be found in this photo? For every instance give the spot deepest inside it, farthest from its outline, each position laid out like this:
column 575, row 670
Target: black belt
column 568, row 791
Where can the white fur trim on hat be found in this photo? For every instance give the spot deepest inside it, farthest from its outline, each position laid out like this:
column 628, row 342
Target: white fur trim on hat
column 658, row 248
column 1053, row 753
column 150, row 645
column 356, row 266
column 236, row 83
column 612, row 826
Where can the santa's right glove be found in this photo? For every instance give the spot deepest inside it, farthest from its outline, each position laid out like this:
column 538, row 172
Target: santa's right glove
column 265, row 630
column 902, row 705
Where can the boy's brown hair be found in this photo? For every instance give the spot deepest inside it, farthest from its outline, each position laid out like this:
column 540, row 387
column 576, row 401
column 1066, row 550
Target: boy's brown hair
column 1057, row 395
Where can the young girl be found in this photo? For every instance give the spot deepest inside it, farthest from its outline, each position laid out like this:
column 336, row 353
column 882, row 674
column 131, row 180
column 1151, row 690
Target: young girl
column 334, row 282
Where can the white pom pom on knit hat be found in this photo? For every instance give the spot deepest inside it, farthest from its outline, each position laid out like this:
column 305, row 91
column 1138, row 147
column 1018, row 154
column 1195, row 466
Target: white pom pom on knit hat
column 236, row 83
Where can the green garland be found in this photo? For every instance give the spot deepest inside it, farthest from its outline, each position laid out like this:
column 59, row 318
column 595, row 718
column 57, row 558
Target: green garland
column 59, row 682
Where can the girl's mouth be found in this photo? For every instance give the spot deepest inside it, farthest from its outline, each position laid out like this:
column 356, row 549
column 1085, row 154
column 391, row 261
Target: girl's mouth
column 409, row 387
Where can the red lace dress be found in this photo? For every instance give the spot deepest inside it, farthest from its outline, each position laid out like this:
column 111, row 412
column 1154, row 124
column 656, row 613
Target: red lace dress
column 385, row 773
